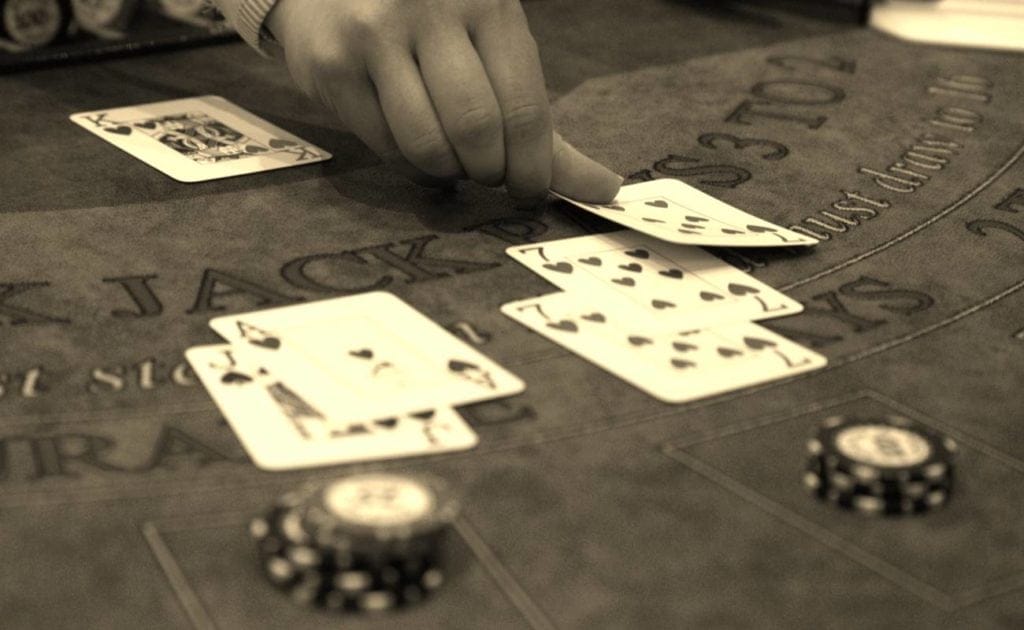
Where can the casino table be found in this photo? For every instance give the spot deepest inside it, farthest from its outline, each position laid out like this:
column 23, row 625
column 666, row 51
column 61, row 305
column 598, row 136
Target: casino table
column 125, row 497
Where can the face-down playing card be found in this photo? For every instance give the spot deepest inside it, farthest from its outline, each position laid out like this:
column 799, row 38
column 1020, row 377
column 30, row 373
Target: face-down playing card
column 674, row 365
column 201, row 138
column 376, row 345
column 286, row 424
column 672, row 211
column 676, row 284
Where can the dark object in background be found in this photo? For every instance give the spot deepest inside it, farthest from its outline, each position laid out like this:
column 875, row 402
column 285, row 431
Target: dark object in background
column 834, row 10
column 30, row 24
column 105, row 28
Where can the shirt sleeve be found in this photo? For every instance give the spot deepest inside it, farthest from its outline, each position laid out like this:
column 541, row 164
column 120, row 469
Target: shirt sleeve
column 246, row 17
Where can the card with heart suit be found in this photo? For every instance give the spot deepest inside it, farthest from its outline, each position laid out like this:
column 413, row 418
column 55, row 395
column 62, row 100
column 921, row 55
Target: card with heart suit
column 678, row 284
column 285, row 425
column 201, row 138
column 674, row 365
column 672, row 211
column 375, row 344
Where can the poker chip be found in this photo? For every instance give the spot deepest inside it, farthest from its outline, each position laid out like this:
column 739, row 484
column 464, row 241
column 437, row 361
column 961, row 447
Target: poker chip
column 368, row 542
column 106, row 18
column 880, row 465
column 33, row 23
column 382, row 508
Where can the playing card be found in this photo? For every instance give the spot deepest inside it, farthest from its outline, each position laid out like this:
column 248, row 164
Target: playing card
column 377, row 345
column 286, row 425
column 670, row 210
column 678, row 284
column 673, row 365
column 201, row 138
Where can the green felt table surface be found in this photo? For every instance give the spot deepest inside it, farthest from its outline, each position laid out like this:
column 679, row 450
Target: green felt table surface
column 124, row 497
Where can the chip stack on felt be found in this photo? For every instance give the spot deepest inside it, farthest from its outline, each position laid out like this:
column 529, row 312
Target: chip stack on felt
column 880, row 465
column 362, row 543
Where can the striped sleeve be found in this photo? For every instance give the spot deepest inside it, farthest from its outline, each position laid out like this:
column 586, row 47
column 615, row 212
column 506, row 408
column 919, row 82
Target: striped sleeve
column 246, row 17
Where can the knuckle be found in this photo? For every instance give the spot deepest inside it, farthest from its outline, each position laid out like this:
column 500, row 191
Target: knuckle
column 331, row 61
column 375, row 24
column 368, row 21
column 506, row 15
column 527, row 121
column 476, row 126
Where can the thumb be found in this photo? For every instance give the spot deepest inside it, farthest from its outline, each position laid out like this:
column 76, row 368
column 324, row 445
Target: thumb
column 578, row 177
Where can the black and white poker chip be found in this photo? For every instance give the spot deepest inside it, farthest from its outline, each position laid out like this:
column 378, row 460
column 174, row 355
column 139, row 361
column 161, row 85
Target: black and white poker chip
column 381, row 509
column 880, row 464
column 843, row 490
column 34, row 23
column 367, row 542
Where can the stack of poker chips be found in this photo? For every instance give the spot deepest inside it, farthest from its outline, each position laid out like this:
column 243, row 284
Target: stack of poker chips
column 30, row 24
column 880, row 465
column 367, row 542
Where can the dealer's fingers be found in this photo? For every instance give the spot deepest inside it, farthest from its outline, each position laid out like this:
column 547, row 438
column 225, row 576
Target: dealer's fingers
column 410, row 114
column 464, row 100
column 510, row 57
column 356, row 104
column 578, row 177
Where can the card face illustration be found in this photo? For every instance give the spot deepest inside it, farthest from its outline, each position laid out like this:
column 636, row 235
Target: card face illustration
column 672, row 211
column 199, row 139
column 376, row 345
column 677, row 284
column 290, row 421
column 673, row 365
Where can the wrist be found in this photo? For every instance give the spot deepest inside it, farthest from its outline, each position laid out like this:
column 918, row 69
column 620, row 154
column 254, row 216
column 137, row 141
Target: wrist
column 275, row 24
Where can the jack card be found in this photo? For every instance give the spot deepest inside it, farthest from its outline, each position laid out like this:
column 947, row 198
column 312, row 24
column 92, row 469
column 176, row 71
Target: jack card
column 201, row 138
column 285, row 425
column 672, row 211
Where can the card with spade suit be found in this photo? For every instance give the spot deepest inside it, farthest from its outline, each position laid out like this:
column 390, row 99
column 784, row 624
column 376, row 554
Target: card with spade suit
column 678, row 284
column 199, row 139
column 392, row 356
column 287, row 423
column 672, row 211
column 673, row 364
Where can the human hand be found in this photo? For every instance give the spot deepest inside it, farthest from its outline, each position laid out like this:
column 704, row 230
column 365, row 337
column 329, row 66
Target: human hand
column 440, row 89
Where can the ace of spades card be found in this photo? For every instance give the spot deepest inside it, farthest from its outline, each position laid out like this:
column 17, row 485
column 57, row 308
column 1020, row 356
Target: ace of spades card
column 391, row 356
column 286, row 424
column 201, row 138
column 674, row 365
column 672, row 211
